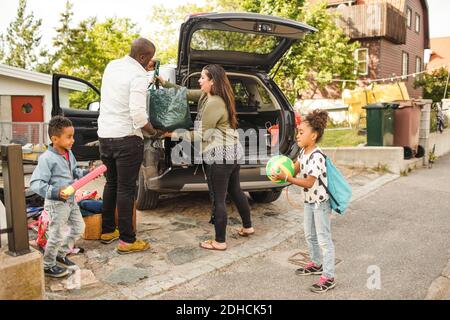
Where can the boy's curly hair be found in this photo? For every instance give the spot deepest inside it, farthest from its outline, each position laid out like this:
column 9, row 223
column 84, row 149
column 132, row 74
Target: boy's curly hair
column 57, row 124
column 317, row 120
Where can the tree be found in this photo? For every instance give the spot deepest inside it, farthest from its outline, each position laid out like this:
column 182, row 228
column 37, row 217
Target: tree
column 22, row 39
column 311, row 64
column 326, row 54
column 434, row 84
column 60, row 41
column 87, row 49
column 2, row 48
column 166, row 24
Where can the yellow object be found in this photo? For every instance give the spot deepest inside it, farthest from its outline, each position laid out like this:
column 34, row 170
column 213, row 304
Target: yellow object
column 33, row 151
column 358, row 98
column 93, row 227
column 390, row 92
column 110, row 236
column 136, row 246
column 69, row 191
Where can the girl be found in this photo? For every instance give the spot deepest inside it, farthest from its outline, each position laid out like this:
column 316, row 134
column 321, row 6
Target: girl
column 317, row 210
column 221, row 149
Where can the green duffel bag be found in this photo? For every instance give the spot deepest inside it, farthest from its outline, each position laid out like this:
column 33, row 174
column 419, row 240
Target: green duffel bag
column 168, row 108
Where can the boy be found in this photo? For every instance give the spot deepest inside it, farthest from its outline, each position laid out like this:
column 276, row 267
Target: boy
column 57, row 169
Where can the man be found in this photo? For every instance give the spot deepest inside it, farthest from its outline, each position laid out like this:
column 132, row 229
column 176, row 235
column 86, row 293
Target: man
column 123, row 117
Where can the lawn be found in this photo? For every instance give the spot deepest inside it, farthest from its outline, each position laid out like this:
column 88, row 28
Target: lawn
column 342, row 138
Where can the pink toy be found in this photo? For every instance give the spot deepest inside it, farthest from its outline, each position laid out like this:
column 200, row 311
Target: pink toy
column 86, row 179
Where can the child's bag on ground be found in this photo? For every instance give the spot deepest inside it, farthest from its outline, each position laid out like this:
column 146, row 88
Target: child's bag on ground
column 339, row 190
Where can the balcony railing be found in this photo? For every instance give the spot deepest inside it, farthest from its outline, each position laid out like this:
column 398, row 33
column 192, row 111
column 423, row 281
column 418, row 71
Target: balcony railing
column 373, row 20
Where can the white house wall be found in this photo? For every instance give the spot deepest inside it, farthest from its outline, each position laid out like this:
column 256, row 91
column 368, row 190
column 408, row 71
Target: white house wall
column 18, row 87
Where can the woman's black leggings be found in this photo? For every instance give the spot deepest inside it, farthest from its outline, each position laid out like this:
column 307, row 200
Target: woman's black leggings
column 223, row 178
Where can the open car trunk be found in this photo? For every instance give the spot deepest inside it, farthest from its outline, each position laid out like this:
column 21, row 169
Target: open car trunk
column 257, row 111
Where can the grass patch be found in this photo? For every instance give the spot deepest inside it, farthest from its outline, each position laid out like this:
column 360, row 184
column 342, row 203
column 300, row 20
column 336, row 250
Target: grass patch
column 382, row 168
column 342, row 138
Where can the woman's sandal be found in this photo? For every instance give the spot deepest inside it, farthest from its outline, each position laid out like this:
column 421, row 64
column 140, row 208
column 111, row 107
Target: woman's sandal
column 209, row 245
column 243, row 233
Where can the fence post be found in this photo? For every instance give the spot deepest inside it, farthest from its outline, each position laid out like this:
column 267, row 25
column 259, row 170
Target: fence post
column 14, row 187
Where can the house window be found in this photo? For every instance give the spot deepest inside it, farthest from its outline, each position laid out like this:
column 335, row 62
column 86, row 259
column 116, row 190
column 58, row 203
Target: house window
column 408, row 17
column 418, row 64
column 417, row 26
column 405, row 62
column 362, row 61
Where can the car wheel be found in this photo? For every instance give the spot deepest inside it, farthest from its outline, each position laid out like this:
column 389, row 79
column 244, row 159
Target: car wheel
column 146, row 199
column 266, row 196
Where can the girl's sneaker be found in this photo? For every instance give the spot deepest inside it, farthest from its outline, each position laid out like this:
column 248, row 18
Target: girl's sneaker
column 310, row 269
column 323, row 285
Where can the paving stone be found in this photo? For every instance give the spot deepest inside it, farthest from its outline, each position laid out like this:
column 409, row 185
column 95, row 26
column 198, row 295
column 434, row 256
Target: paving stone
column 204, row 238
column 126, row 276
column 232, row 221
column 180, row 226
column 141, row 293
column 271, row 213
column 184, row 255
column 187, row 220
column 154, row 290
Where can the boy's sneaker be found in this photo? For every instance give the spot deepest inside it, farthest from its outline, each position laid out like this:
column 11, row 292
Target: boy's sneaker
column 66, row 262
column 323, row 285
column 138, row 245
column 310, row 269
column 56, row 272
column 107, row 238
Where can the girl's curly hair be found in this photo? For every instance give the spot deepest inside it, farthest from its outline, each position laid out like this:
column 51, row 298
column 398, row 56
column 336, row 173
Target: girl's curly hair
column 317, row 120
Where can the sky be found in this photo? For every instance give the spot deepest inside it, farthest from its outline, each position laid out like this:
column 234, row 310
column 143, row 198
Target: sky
column 140, row 11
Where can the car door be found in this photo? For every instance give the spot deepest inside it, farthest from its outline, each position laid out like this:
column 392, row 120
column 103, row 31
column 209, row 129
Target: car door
column 79, row 101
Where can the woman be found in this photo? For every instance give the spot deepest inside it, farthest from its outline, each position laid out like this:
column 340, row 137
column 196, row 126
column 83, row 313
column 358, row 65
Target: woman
column 215, row 127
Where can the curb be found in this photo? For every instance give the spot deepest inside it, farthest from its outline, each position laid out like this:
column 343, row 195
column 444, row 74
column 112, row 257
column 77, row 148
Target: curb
column 252, row 247
column 373, row 185
column 440, row 287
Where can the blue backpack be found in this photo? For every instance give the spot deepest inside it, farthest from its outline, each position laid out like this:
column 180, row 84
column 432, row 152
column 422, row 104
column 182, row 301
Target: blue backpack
column 338, row 188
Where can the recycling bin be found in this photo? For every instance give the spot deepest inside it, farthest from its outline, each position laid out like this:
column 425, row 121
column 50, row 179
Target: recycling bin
column 406, row 129
column 380, row 124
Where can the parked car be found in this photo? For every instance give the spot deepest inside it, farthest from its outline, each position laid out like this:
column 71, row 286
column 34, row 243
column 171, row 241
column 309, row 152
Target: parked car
column 248, row 46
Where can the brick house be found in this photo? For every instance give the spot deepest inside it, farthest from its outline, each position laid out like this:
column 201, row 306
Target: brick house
column 393, row 35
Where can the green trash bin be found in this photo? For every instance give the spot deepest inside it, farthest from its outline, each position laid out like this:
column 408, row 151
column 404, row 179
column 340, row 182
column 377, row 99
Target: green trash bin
column 380, row 124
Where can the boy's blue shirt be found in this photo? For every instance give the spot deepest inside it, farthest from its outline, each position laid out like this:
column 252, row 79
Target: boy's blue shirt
column 54, row 172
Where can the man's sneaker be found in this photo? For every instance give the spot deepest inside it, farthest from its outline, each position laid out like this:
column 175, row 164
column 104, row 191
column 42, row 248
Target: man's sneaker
column 138, row 245
column 310, row 269
column 107, row 238
column 56, row 272
column 323, row 285
column 66, row 262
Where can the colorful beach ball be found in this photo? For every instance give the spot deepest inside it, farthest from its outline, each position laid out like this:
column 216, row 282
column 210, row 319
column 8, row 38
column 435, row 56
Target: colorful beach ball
column 278, row 164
